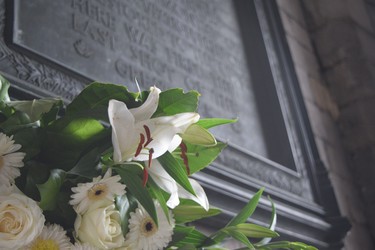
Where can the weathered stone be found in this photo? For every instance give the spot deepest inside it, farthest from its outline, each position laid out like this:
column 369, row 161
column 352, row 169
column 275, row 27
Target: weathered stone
column 294, row 29
column 293, row 9
column 350, row 80
column 329, row 50
column 359, row 238
column 357, row 125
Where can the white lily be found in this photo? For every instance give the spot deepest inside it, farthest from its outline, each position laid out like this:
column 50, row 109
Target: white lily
column 169, row 185
column 136, row 136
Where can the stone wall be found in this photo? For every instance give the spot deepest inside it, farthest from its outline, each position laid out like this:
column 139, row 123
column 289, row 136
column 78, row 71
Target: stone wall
column 333, row 48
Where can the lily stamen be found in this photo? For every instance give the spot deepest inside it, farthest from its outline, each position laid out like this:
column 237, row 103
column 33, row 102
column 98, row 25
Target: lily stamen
column 151, row 151
column 184, row 157
column 140, row 145
column 148, row 135
column 145, row 176
column 145, row 171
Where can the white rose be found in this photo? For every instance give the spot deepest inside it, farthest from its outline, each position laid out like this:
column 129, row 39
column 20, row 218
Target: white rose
column 21, row 220
column 100, row 227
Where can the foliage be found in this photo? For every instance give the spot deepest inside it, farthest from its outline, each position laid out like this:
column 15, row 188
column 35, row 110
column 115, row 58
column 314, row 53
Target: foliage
column 68, row 145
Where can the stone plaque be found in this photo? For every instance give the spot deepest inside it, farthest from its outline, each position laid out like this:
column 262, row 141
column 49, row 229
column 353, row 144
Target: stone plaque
column 193, row 44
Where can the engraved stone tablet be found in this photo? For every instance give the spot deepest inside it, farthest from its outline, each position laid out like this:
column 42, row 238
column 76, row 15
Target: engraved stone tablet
column 193, row 44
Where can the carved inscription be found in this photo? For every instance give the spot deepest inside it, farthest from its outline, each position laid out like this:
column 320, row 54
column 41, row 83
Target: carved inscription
column 193, row 44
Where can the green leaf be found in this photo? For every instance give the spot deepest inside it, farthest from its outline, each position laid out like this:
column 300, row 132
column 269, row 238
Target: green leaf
column 93, row 100
column 174, row 101
column 86, row 166
column 49, row 191
column 17, row 121
column 286, row 245
column 248, row 210
column 4, row 86
column 130, row 176
column 213, row 122
column 243, row 215
column 272, row 225
column 193, row 237
column 68, row 139
column 197, row 135
column 253, row 230
column 5, row 111
column 125, row 205
column 30, row 140
column 35, row 108
column 188, row 213
column 199, row 157
column 240, row 237
column 176, row 171
column 179, row 233
column 32, row 173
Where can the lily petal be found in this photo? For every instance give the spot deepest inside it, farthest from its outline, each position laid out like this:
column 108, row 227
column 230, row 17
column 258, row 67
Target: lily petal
column 163, row 130
column 148, row 108
column 123, row 136
column 200, row 198
column 165, row 182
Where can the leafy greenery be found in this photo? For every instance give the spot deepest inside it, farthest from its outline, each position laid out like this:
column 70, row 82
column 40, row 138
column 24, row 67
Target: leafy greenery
column 66, row 146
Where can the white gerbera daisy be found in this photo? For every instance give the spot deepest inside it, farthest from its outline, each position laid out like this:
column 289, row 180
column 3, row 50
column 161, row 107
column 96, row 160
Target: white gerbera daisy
column 10, row 160
column 85, row 194
column 144, row 234
column 53, row 237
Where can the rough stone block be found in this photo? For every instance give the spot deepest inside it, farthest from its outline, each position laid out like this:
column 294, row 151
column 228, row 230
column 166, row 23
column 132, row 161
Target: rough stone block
column 329, row 50
column 303, row 80
column 357, row 125
column 359, row 238
column 367, row 44
column 349, row 81
column 296, row 31
column 293, row 9
column 302, row 57
column 321, row 11
column 336, row 159
column 362, row 164
column 322, row 124
column 357, row 10
column 349, row 199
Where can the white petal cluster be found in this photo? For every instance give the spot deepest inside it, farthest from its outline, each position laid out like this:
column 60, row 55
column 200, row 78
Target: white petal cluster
column 52, row 237
column 21, row 219
column 168, row 184
column 99, row 191
column 100, row 227
column 10, row 160
column 144, row 234
column 135, row 133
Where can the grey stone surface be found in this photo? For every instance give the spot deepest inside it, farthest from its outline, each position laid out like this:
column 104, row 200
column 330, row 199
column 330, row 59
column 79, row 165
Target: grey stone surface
column 339, row 94
column 350, row 80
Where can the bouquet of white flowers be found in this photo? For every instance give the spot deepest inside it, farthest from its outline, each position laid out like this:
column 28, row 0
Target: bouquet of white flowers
column 111, row 170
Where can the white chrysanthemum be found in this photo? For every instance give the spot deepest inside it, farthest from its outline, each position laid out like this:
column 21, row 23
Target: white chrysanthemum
column 144, row 234
column 83, row 246
column 86, row 194
column 53, row 237
column 10, row 160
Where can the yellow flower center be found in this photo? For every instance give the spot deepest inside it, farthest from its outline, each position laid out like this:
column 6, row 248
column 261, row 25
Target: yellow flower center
column 48, row 244
column 148, row 227
column 9, row 224
column 98, row 191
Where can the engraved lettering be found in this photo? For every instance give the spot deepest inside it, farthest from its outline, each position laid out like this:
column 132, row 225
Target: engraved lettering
column 87, row 28
column 95, row 13
column 151, row 63
column 137, row 36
